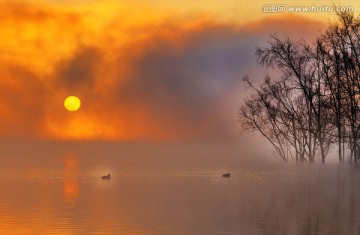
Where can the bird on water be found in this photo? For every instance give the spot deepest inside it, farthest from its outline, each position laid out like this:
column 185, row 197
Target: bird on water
column 106, row 177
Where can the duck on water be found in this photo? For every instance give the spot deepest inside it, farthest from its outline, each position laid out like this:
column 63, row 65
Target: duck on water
column 106, row 177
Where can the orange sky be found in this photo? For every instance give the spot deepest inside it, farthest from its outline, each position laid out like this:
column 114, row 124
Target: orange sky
column 143, row 70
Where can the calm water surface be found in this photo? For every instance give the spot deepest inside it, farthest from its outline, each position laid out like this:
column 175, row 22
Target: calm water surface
column 66, row 195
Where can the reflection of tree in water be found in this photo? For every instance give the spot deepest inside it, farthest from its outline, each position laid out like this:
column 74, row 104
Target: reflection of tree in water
column 314, row 202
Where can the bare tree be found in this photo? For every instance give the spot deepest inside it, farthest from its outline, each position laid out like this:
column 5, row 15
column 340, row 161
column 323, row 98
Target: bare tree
column 277, row 112
column 314, row 101
column 258, row 113
column 339, row 52
column 297, row 64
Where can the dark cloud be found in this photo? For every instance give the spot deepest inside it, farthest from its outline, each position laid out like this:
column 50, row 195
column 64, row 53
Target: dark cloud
column 80, row 71
column 190, row 87
column 193, row 86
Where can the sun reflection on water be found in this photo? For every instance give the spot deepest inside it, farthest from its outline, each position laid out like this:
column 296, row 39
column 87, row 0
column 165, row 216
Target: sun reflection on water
column 71, row 179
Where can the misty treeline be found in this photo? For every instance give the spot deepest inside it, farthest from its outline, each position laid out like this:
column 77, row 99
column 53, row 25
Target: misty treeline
column 311, row 103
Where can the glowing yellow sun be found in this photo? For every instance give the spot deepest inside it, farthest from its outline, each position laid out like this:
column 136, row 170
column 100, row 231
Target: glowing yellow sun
column 72, row 103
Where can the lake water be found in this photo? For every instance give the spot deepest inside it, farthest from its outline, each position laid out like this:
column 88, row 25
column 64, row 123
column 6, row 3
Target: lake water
column 175, row 195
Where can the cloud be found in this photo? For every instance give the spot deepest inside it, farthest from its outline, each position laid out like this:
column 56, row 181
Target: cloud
column 156, row 78
column 21, row 102
column 183, row 90
column 192, row 86
column 79, row 72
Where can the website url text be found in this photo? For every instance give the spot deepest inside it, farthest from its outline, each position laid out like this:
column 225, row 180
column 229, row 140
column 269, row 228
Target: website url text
column 278, row 8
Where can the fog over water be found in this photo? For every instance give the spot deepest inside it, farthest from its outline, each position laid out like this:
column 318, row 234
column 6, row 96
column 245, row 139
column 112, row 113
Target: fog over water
column 168, row 189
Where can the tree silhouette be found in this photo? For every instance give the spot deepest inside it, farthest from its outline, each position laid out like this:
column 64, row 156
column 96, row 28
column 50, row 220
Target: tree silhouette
column 313, row 100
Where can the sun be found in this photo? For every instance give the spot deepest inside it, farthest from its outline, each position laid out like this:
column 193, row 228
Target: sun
column 72, row 103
